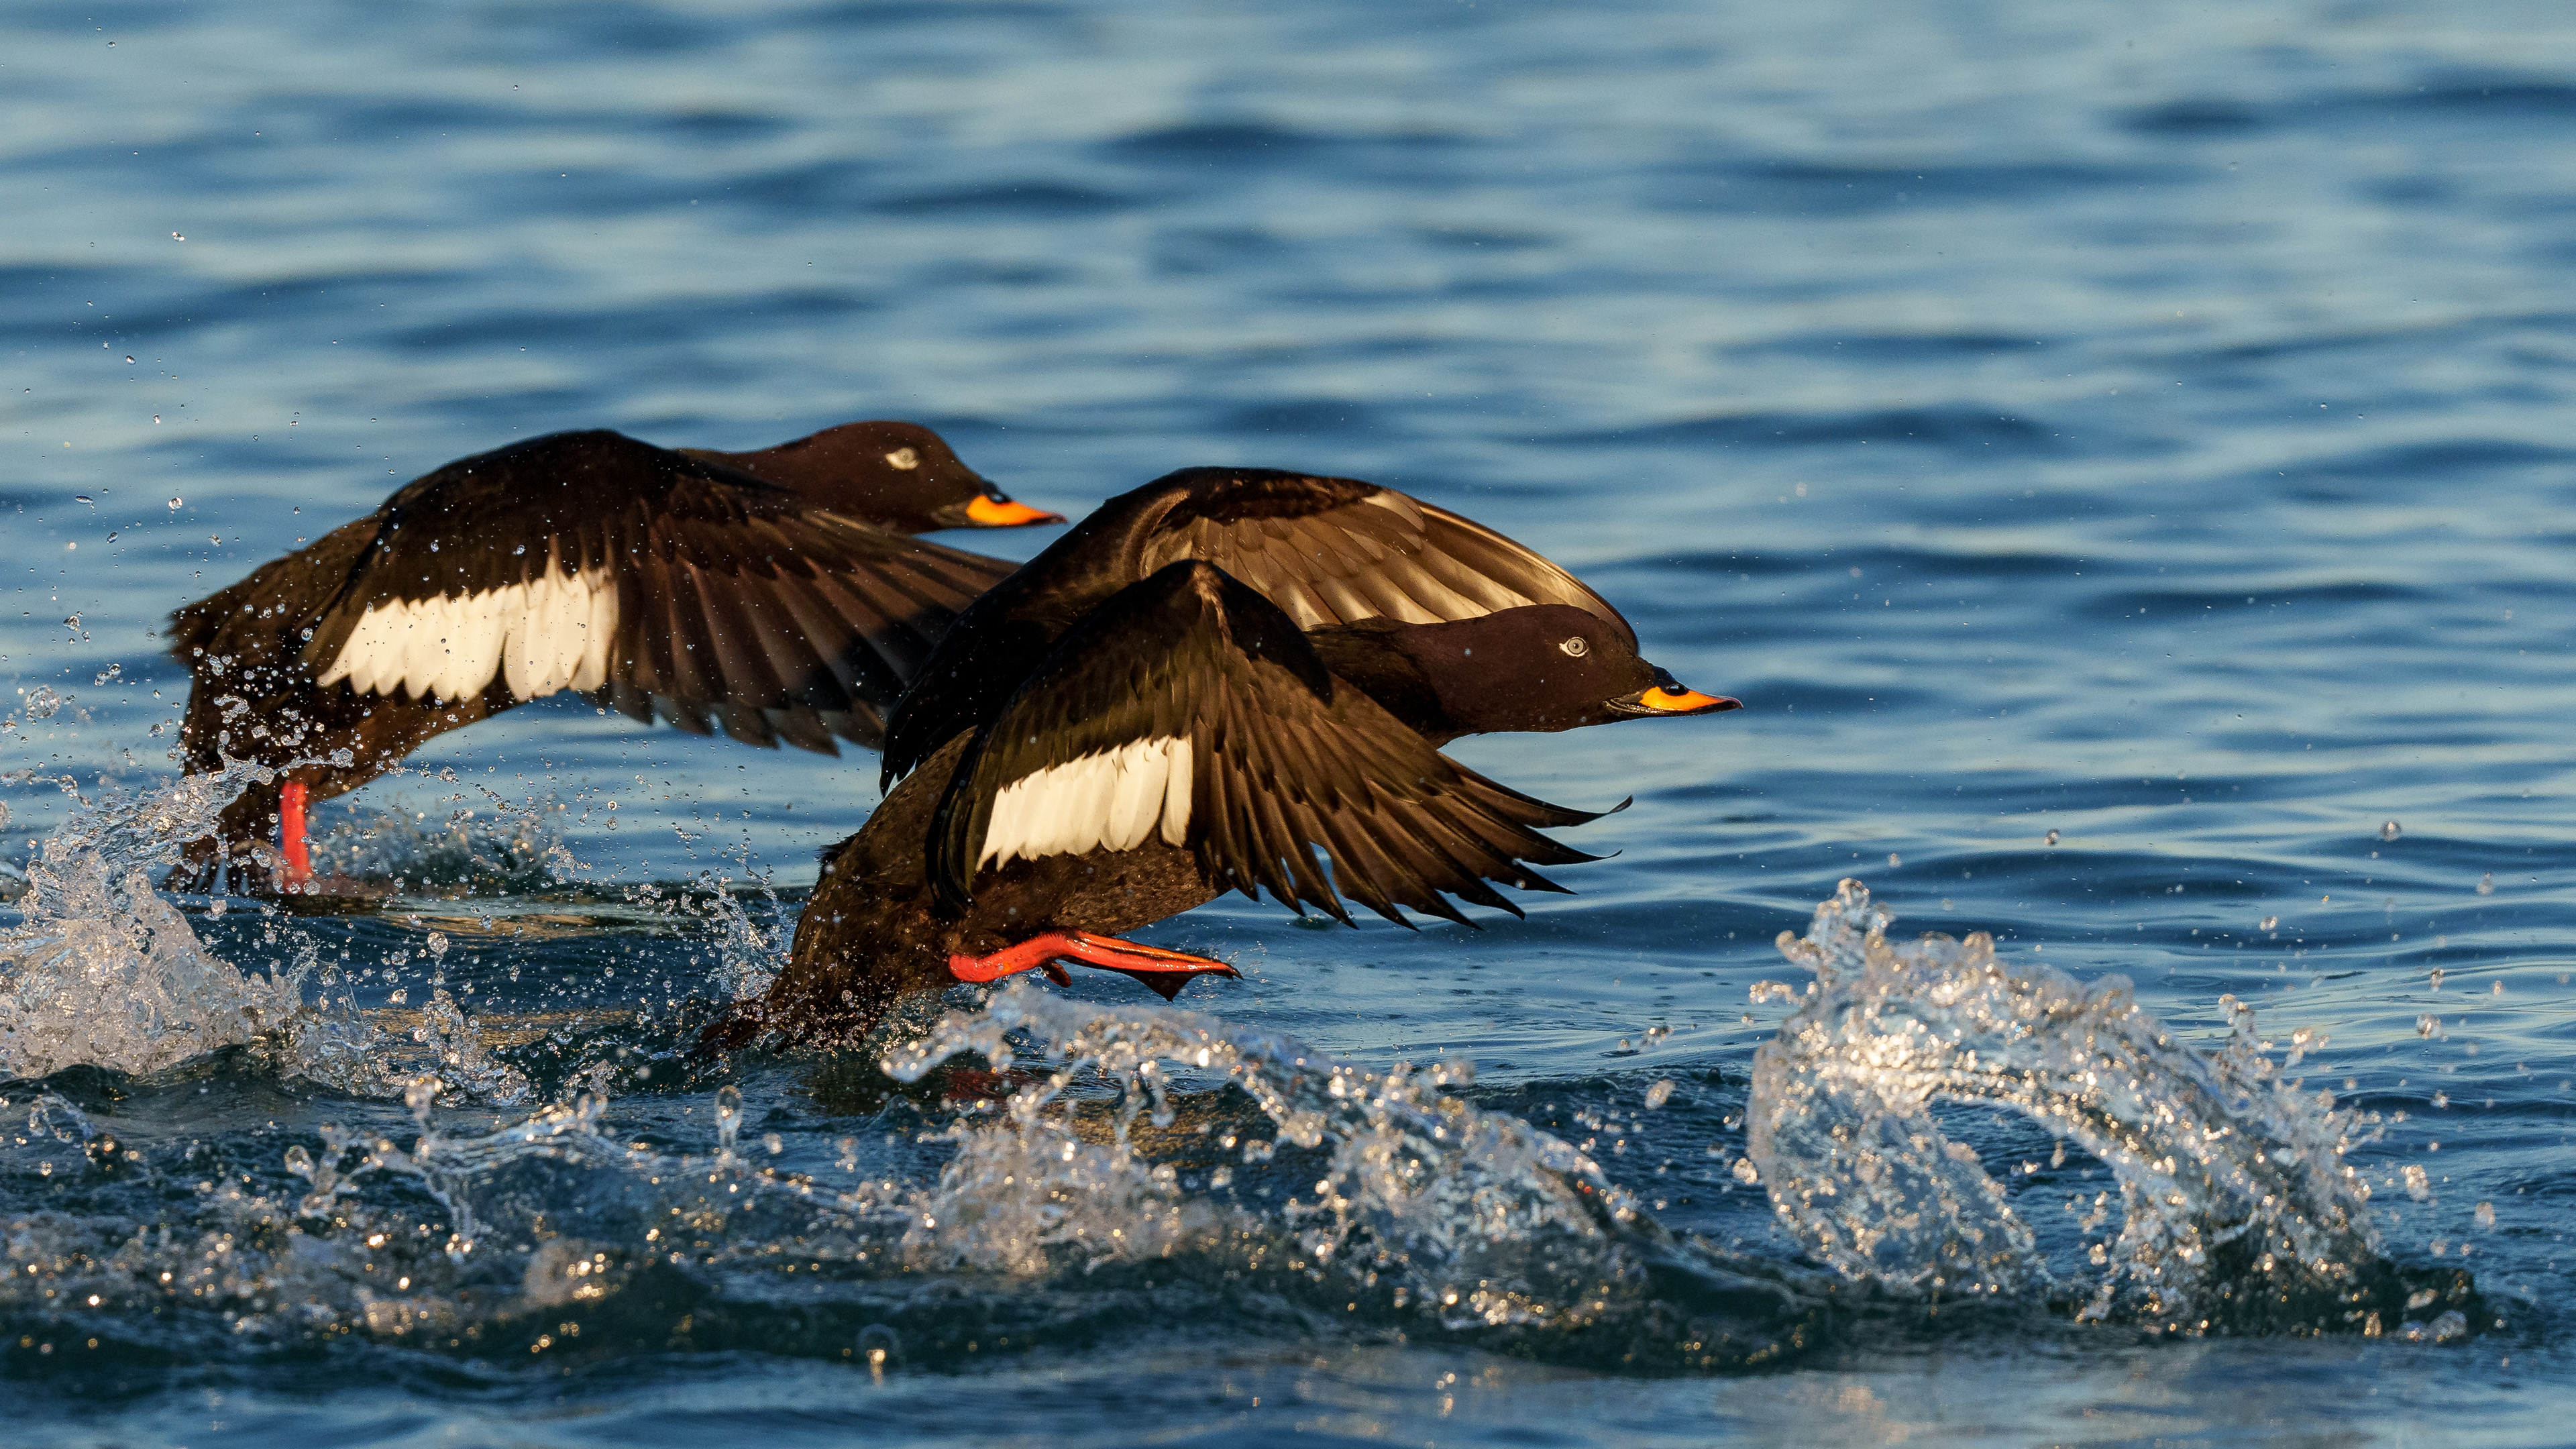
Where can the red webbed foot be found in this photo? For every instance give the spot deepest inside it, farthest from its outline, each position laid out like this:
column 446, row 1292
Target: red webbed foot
column 1164, row 971
column 297, row 870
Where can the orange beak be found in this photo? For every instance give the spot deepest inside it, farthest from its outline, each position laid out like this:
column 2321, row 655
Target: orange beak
column 1005, row 513
column 1686, row 701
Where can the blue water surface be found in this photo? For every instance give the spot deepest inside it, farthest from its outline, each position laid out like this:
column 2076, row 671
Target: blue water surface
column 2120, row 455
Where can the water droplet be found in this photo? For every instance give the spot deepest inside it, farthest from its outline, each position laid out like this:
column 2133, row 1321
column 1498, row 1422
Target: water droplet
column 1895, row 859
column 1658, row 1094
column 420, row 1094
column 878, row 1345
column 2437, row 978
column 175, row 502
column 2270, row 923
column 1745, row 1171
column 2486, row 1216
column 84, row 498
column 2486, row 884
column 2050, row 838
column 2390, row 831
column 728, row 1118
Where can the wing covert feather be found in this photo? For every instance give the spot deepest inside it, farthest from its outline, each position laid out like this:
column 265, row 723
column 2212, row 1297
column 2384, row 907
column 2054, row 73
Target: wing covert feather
column 1285, row 762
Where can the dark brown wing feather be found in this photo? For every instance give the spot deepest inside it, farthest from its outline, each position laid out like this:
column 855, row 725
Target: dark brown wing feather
column 738, row 602
column 1285, row 762
column 1337, row 550
column 1326, row 551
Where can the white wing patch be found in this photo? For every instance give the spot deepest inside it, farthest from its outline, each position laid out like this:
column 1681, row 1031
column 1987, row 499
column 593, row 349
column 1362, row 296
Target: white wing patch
column 1110, row 800
column 547, row 634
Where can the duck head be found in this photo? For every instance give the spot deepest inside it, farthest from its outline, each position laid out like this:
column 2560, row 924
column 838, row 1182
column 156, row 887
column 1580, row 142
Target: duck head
column 1540, row 668
column 897, row 475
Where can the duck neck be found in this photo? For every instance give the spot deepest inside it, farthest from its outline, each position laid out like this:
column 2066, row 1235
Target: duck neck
column 1372, row 656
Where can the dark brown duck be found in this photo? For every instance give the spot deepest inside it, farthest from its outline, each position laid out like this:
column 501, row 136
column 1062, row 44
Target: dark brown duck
column 777, row 595
column 1196, row 690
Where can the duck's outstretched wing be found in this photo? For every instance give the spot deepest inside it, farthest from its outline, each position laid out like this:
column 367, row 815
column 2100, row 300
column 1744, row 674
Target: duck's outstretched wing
column 1191, row 709
column 1339, row 550
column 668, row 584
column 1325, row 551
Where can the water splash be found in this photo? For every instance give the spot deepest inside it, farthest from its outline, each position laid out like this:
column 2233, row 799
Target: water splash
column 494, row 846
column 1163, row 1160
column 1398, row 1193
column 1166, row 1163
column 2234, row 1198
column 103, row 971
column 458, row 1062
column 747, row 952
column 1408, row 1175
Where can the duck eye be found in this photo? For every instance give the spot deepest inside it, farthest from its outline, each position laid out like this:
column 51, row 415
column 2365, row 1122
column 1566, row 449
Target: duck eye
column 1576, row 647
column 904, row 458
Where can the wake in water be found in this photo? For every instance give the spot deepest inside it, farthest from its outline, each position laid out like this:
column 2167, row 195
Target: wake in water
column 1160, row 1153
column 1099, row 1199
column 1099, row 1173
column 2235, row 1208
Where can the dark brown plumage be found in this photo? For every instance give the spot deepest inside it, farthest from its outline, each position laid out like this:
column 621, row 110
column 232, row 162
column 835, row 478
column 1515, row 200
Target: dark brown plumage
column 661, row 583
column 899, row 476
column 1327, row 551
column 1120, row 748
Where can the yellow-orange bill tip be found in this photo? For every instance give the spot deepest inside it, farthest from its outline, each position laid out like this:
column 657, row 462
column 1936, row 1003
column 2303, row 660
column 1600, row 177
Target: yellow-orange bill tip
column 1687, row 701
column 1006, row 513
